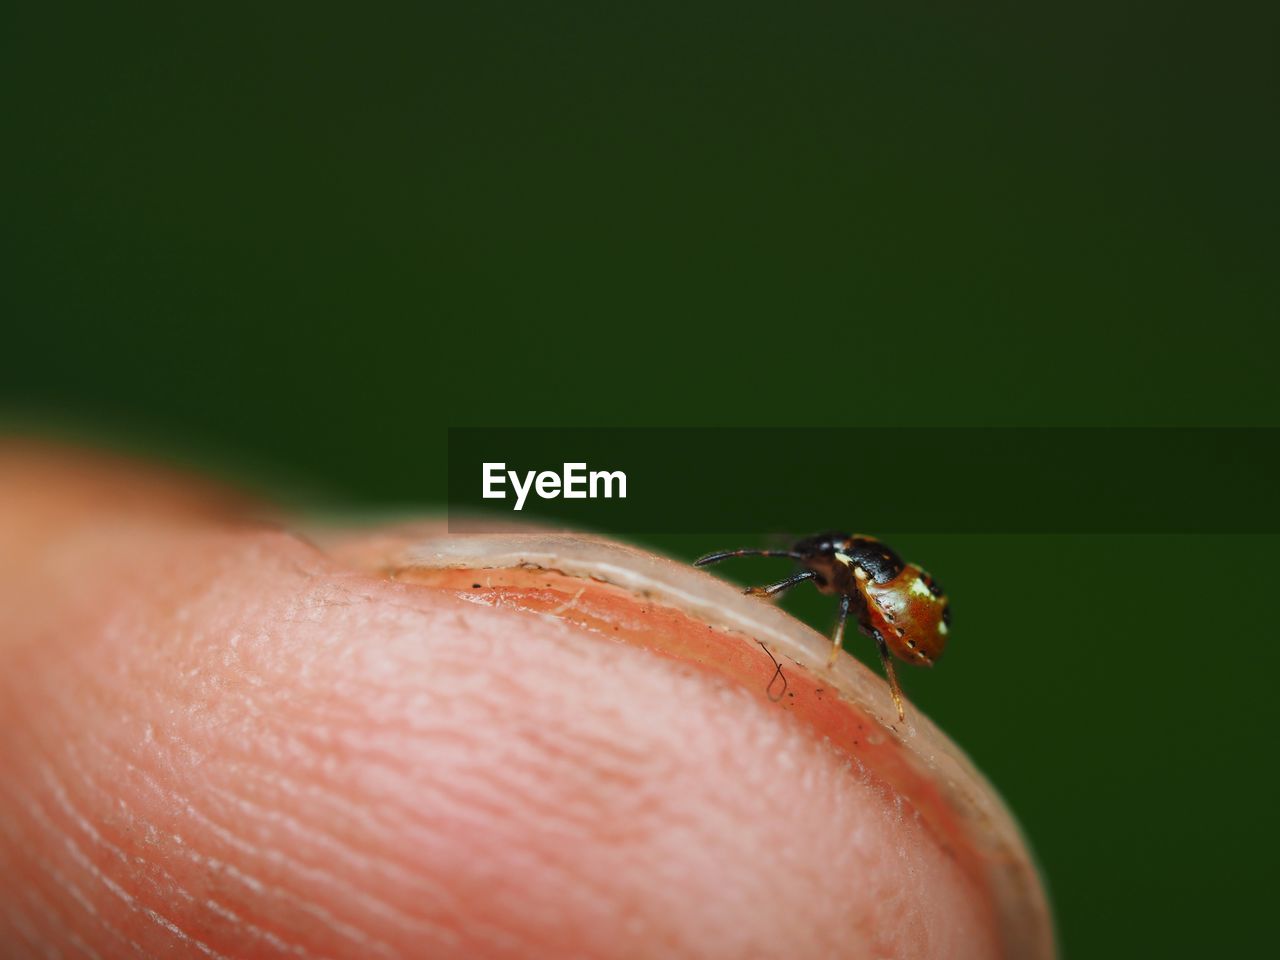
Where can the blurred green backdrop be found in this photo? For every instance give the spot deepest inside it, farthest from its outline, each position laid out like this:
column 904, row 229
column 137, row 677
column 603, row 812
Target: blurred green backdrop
column 293, row 244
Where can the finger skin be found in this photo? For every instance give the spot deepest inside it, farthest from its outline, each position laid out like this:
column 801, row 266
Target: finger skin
column 218, row 740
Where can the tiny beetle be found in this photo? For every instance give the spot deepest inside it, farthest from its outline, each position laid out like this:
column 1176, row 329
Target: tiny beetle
column 897, row 604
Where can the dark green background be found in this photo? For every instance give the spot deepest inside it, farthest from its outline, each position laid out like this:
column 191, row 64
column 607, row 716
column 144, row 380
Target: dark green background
column 295, row 244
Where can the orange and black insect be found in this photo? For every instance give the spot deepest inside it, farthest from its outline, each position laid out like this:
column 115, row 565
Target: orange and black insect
column 897, row 604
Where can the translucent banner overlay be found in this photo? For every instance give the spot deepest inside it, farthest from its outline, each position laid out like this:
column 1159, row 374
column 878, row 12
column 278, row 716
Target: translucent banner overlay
column 926, row 480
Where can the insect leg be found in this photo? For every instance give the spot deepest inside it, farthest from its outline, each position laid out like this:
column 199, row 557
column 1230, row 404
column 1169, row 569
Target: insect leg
column 711, row 558
column 888, row 672
column 773, row 589
column 837, row 636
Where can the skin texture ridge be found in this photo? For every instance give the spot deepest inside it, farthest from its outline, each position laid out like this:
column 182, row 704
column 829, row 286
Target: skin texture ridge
column 220, row 740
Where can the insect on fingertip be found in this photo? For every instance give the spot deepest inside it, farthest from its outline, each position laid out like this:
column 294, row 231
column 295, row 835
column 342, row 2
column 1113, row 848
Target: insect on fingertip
column 897, row 604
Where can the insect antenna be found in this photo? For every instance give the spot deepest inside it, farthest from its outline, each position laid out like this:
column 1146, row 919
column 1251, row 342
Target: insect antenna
column 711, row 558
